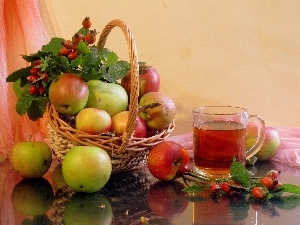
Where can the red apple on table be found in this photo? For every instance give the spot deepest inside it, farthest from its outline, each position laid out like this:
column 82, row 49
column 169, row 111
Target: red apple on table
column 93, row 121
column 158, row 117
column 119, row 122
column 166, row 199
column 270, row 145
column 68, row 93
column 168, row 160
column 149, row 80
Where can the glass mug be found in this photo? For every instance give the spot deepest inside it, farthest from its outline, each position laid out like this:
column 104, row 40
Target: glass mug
column 219, row 134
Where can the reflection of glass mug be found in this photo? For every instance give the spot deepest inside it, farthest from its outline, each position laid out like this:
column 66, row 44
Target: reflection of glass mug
column 220, row 135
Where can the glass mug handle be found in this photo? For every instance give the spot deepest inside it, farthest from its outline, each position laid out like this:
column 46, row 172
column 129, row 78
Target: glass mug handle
column 260, row 136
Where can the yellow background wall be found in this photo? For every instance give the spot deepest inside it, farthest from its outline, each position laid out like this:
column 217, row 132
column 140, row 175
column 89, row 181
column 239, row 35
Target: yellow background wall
column 242, row 53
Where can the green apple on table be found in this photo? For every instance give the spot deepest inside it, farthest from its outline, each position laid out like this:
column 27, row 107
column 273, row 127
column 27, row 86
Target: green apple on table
column 109, row 97
column 30, row 159
column 86, row 168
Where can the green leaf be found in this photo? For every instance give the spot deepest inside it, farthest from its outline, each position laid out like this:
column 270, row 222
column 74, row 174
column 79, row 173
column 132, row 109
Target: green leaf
column 290, row 188
column 118, row 71
column 82, row 48
column 53, row 46
column 112, row 58
column 37, row 108
column 193, row 189
column 24, row 103
column 18, row 74
column 239, row 174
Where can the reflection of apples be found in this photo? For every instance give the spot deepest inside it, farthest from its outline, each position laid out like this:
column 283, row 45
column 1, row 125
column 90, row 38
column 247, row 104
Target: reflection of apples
column 57, row 178
column 32, row 197
column 271, row 142
column 166, row 199
column 149, row 80
column 93, row 121
column 159, row 117
column 86, row 168
column 87, row 209
column 119, row 122
column 68, row 93
column 168, row 159
column 30, row 159
column 107, row 96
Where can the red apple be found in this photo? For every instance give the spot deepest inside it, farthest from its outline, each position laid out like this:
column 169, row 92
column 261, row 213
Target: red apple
column 68, row 93
column 168, row 160
column 271, row 142
column 159, row 117
column 166, row 199
column 93, row 121
column 119, row 122
column 149, row 80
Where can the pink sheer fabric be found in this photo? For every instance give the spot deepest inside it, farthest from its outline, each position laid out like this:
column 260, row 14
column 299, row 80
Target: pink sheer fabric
column 288, row 151
column 21, row 32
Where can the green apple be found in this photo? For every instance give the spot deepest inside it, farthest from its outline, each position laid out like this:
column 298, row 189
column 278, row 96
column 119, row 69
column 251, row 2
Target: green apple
column 68, row 93
column 93, row 121
column 30, row 159
column 86, row 168
column 270, row 145
column 109, row 97
column 32, row 197
column 87, row 209
column 159, row 117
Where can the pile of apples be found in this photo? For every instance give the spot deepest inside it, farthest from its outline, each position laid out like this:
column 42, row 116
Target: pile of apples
column 99, row 107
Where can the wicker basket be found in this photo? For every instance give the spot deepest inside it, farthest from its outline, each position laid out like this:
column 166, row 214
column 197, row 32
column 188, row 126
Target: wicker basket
column 126, row 152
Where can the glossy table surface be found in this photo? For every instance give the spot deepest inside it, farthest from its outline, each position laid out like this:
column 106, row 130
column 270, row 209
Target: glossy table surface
column 135, row 196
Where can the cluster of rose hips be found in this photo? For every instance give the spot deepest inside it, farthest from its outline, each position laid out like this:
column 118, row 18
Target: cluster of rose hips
column 259, row 191
column 69, row 48
column 36, row 79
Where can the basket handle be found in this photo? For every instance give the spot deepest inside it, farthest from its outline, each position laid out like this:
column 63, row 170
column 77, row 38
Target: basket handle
column 134, row 69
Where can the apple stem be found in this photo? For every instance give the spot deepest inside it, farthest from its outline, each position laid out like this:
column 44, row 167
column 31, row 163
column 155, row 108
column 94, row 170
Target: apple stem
column 149, row 106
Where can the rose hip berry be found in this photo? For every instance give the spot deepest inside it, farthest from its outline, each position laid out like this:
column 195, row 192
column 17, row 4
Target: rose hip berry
column 86, row 23
column 267, row 182
column 258, row 193
column 225, row 187
column 214, row 188
column 273, row 174
column 32, row 90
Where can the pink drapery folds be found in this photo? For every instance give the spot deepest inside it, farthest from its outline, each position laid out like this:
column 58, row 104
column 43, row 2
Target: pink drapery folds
column 21, row 32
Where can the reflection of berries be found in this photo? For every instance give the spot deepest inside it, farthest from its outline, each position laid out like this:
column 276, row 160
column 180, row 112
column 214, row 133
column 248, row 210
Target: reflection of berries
column 86, row 23
column 32, row 90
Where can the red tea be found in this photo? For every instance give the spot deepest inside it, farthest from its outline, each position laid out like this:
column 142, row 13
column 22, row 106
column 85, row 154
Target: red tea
column 215, row 145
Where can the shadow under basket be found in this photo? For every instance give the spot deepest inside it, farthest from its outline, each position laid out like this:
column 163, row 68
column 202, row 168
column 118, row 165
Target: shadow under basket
column 126, row 152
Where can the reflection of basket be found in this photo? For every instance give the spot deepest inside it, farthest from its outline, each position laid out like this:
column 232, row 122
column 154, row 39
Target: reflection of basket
column 126, row 152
